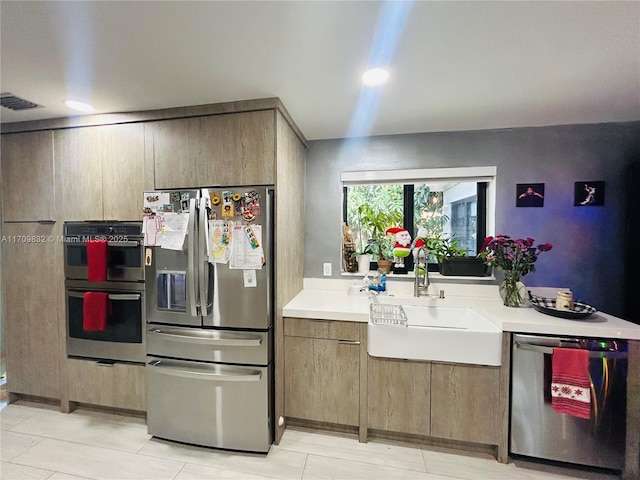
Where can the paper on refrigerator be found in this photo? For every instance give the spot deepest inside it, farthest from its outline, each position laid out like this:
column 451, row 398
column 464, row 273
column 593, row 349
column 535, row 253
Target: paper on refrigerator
column 246, row 247
column 219, row 241
column 174, row 230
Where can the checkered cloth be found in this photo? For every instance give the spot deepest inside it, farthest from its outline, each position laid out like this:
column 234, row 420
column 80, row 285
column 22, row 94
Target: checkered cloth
column 551, row 303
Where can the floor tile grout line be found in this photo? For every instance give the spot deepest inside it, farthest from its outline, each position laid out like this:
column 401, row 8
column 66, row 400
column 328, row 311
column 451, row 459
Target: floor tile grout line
column 358, row 461
column 304, row 467
column 363, row 463
column 195, row 462
column 72, row 416
column 184, row 464
column 81, row 443
column 40, row 439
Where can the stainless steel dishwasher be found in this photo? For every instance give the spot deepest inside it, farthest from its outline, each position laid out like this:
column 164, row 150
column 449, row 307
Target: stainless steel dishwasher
column 538, row 431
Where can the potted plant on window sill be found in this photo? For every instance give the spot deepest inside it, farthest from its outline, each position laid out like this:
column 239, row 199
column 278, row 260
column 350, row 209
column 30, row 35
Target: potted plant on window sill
column 453, row 261
column 364, row 258
column 376, row 223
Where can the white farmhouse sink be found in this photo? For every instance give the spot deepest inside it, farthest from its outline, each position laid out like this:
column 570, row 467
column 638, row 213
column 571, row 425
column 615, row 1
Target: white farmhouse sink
column 438, row 333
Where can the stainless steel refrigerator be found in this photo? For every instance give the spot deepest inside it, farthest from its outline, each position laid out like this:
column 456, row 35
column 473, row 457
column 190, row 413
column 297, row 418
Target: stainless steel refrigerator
column 209, row 325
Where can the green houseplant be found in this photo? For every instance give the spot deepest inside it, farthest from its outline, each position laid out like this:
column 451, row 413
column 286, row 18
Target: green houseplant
column 373, row 223
column 453, row 260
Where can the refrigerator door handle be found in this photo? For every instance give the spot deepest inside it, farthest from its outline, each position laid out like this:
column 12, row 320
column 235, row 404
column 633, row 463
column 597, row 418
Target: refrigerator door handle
column 213, row 339
column 216, row 374
column 203, row 256
column 191, row 259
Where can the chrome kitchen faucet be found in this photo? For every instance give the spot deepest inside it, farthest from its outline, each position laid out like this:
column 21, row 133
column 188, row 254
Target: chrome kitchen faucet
column 421, row 281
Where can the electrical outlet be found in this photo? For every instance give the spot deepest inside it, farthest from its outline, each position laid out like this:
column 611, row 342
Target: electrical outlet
column 326, row 269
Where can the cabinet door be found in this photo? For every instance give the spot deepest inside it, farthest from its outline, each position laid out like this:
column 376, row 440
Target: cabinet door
column 117, row 385
column 31, row 272
column 123, row 175
column 399, row 395
column 78, row 168
column 229, row 149
column 27, row 176
column 322, row 380
column 465, row 403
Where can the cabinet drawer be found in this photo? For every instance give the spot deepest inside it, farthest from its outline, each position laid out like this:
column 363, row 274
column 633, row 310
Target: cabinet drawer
column 329, row 329
column 118, row 385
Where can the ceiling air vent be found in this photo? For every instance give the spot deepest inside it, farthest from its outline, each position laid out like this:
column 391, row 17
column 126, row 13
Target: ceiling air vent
column 9, row 100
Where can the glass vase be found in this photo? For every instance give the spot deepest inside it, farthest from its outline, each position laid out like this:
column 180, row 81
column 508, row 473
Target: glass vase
column 512, row 291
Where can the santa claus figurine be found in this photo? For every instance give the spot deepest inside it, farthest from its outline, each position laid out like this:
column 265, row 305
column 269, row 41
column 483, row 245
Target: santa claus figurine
column 421, row 239
column 402, row 246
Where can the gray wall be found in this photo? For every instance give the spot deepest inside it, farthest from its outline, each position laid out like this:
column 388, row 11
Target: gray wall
column 587, row 253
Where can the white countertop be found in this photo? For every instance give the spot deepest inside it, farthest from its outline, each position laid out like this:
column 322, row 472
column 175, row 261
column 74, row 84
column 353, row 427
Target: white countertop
column 328, row 300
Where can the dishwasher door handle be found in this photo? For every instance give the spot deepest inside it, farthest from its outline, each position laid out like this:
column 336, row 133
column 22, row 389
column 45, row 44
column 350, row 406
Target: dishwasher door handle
column 549, row 350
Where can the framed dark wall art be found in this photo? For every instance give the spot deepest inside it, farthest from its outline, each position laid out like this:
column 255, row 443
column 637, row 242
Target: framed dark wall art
column 588, row 194
column 530, row 195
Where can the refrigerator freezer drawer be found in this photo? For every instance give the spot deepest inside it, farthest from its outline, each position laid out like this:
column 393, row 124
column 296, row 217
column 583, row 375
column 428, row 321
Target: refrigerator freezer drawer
column 209, row 405
column 209, row 345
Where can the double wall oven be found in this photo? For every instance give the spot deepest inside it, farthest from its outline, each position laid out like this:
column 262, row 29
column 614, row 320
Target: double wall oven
column 122, row 336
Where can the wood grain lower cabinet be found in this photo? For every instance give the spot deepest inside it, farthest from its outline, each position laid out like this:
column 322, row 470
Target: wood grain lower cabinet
column 322, row 375
column 31, row 272
column 465, row 403
column 399, row 395
column 119, row 385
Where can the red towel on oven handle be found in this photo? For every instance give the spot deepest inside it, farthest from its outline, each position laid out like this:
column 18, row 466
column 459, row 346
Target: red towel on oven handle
column 94, row 311
column 570, row 382
column 97, row 260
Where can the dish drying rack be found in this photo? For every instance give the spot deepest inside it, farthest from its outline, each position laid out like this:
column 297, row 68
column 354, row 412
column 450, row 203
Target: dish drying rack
column 382, row 314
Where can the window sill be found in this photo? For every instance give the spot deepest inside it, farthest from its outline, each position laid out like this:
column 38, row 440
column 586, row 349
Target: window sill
column 432, row 276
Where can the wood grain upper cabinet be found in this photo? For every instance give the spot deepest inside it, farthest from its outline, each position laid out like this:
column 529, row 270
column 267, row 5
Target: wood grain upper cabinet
column 465, row 403
column 78, row 162
column 32, row 267
column 27, row 176
column 322, row 370
column 228, row 149
column 123, row 173
column 100, row 172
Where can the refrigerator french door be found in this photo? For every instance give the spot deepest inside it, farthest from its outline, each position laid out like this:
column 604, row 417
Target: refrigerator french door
column 209, row 332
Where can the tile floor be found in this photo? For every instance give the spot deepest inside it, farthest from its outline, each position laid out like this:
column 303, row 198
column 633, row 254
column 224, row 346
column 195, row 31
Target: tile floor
column 39, row 442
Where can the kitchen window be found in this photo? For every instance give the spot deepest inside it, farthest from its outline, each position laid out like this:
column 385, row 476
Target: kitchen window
column 456, row 202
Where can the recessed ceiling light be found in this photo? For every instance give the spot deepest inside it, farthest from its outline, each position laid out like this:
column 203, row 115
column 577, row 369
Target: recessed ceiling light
column 80, row 106
column 375, row 76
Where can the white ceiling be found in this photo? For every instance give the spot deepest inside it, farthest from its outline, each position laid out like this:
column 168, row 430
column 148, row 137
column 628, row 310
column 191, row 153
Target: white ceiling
column 456, row 66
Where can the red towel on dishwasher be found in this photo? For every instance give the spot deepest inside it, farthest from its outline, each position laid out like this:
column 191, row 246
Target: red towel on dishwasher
column 94, row 311
column 97, row 260
column 570, row 384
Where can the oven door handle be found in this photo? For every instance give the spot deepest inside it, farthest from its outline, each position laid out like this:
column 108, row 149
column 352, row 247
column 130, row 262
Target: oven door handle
column 110, row 296
column 129, row 243
column 123, row 296
column 215, row 374
column 214, row 339
column 549, row 351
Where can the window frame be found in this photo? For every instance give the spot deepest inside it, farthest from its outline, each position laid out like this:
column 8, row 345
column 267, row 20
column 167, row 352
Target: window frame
column 484, row 177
